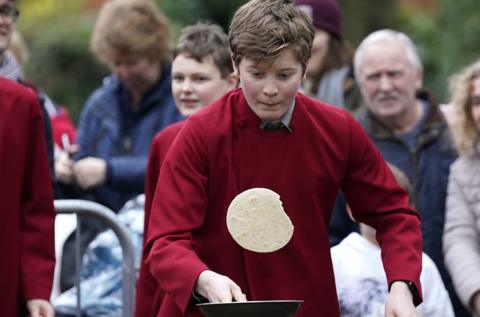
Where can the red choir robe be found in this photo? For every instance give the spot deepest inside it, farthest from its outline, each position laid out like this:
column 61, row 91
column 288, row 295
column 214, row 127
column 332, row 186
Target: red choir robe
column 149, row 295
column 220, row 152
column 26, row 201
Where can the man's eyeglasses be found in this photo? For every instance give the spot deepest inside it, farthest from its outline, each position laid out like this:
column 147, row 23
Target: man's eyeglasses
column 9, row 13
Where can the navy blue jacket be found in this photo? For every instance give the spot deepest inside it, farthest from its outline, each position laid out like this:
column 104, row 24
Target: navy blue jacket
column 110, row 130
column 428, row 170
column 430, row 161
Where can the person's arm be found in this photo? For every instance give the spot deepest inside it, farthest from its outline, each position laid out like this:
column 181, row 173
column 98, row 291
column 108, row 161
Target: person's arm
column 120, row 172
column 127, row 172
column 151, row 178
column 376, row 199
column 172, row 259
column 178, row 209
column 460, row 244
column 146, row 284
column 36, row 215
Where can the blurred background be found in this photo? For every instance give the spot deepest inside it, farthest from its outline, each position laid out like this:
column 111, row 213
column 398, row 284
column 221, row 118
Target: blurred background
column 57, row 33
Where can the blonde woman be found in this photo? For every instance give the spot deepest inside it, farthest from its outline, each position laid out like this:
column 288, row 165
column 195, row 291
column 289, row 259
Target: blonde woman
column 462, row 223
column 120, row 118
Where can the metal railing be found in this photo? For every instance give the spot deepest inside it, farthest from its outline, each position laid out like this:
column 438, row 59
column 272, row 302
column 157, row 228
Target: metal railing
column 84, row 208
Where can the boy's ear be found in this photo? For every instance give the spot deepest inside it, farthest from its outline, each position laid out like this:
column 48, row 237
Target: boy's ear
column 304, row 66
column 235, row 68
column 233, row 79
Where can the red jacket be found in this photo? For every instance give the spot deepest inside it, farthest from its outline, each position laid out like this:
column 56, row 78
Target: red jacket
column 149, row 295
column 220, row 152
column 26, row 201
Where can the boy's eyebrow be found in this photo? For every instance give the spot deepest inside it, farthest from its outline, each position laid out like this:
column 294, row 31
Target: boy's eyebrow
column 288, row 69
column 257, row 67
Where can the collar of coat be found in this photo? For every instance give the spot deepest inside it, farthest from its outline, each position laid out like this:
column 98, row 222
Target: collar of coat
column 433, row 126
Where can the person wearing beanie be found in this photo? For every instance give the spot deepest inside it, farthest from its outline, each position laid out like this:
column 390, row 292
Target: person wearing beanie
column 329, row 72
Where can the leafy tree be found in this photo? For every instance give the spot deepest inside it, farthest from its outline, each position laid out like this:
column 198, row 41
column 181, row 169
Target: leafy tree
column 58, row 33
column 61, row 63
column 186, row 12
column 361, row 17
column 457, row 34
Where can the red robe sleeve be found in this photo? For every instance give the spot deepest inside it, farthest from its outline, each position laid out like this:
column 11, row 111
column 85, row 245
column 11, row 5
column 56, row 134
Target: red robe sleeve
column 172, row 260
column 397, row 225
column 148, row 292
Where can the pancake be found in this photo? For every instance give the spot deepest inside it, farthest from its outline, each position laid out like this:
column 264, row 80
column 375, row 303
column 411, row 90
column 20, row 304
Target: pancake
column 257, row 222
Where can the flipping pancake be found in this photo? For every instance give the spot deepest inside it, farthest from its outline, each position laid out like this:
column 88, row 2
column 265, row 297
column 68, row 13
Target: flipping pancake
column 257, row 222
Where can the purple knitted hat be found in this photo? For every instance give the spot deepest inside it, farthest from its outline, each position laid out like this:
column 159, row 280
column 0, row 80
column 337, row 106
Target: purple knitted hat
column 325, row 15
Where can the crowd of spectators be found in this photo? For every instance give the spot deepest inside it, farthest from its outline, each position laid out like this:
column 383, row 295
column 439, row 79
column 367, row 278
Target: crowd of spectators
column 369, row 166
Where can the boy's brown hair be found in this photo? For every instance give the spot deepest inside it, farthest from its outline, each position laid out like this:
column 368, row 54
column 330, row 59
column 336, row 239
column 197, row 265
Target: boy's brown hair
column 203, row 40
column 262, row 29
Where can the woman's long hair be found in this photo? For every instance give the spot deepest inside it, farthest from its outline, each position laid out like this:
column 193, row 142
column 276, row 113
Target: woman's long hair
column 464, row 129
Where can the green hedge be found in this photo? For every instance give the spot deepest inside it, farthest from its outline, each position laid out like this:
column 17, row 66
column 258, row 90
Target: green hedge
column 61, row 63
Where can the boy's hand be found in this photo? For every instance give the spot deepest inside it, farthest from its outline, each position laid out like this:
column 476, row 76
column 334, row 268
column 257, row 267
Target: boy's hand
column 400, row 301
column 40, row 308
column 218, row 288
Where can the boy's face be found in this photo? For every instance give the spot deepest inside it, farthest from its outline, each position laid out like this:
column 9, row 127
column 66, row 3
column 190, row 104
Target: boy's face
column 197, row 84
column 270, row 88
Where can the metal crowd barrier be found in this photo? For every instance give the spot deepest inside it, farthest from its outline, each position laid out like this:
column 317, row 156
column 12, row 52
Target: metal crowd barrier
column 105, row 215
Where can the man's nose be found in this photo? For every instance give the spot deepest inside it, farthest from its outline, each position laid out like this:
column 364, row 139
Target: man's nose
column 385, row 83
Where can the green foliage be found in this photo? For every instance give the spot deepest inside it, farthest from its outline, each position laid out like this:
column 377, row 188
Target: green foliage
column 61, row 63
column 361, row 17
column 182, row 13
column 457, row 32
column 186, row 12
column 222, row 12
column 422, row 29
column 58, row 33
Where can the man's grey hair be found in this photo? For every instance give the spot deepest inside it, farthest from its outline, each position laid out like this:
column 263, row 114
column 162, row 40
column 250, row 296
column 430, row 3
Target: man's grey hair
column 383, row 36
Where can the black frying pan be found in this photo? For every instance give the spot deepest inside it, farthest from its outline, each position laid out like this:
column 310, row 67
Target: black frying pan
column 270, row 308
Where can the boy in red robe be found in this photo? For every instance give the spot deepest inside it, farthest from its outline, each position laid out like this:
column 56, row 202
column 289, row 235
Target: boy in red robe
column 202, row 72
column 266, row 134
column 26, row 205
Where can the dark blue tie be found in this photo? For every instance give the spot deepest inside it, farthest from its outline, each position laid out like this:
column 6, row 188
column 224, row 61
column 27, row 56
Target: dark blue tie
column 269, row 126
